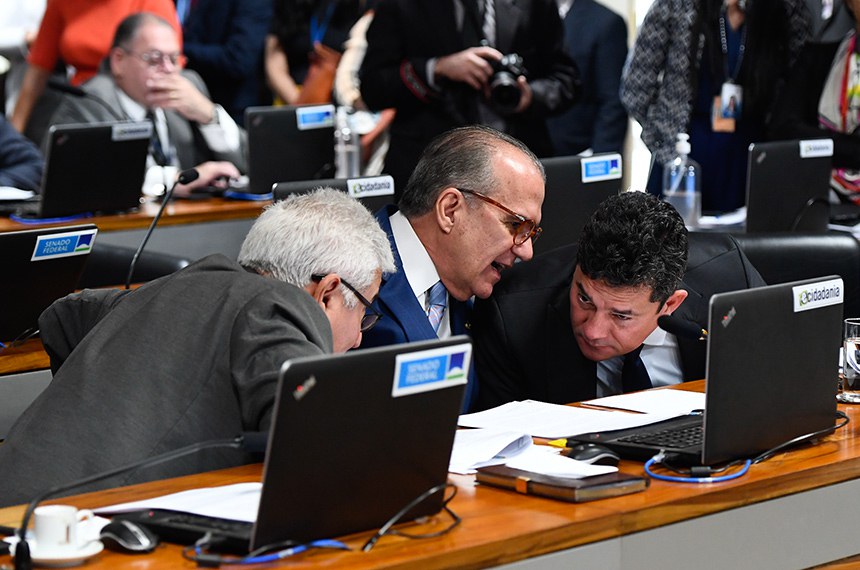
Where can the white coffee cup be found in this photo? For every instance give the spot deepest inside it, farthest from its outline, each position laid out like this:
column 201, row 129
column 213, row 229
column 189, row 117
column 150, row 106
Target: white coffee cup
column 56, row 527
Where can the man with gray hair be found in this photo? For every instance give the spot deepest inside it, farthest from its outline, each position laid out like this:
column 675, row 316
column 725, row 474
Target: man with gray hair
column 471, row 208
column 195, row 356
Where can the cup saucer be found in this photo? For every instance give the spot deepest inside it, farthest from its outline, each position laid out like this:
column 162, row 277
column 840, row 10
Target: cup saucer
column 62, row 557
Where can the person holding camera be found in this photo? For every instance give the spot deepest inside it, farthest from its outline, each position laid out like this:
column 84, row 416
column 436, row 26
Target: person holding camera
column 448, row 63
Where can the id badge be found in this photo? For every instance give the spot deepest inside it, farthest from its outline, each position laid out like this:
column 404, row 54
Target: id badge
column 731, row 98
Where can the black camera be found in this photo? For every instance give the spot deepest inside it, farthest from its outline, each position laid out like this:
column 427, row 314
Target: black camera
column 504, row 91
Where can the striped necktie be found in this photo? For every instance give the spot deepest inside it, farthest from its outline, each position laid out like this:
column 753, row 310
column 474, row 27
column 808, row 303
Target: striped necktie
column 155, row 147
column 437, row 301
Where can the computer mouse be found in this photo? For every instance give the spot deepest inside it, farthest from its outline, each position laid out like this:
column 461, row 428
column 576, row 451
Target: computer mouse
column 594, row 454
column 127, row 536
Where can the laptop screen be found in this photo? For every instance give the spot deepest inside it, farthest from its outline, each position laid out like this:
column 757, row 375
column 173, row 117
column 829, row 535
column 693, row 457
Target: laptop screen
column 39, row 267
column 289, row 143
column 356, row 437
column 93, row 168
column 788, row 184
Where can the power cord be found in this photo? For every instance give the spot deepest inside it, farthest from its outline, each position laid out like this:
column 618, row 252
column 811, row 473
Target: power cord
column 704, row 473
column 203, row 559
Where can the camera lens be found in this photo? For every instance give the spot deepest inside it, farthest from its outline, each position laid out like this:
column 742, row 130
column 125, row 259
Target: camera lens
column 504, row 91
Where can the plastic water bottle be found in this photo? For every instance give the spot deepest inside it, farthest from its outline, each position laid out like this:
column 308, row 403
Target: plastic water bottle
column 681, row 185
column 347, row 147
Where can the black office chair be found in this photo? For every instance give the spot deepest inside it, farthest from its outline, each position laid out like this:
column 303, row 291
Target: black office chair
column 108, row 266
column 782, row 257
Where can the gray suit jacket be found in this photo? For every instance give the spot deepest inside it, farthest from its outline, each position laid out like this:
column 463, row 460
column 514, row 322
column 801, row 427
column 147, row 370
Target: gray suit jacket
column 185, row 135
column 184, row 359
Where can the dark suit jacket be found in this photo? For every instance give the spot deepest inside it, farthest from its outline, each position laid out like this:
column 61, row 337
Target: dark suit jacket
column 524, row 342
column 405, row 34
column 191, row 147
column 21, row 163
column 184, row 359
column 223, row 40
column 404, row 319
column 795, row 114
column 596, row 38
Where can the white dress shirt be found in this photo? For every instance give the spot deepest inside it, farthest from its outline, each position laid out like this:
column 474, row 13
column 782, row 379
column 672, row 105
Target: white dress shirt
column 660, row 356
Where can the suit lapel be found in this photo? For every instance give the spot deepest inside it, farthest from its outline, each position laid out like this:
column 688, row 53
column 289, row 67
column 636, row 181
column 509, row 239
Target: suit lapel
column 692, row 351
column 569, row 375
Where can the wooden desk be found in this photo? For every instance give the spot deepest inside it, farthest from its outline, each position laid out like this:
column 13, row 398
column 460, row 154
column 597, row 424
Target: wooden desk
column 177, row 212
column 29, row 355
column 793, row 511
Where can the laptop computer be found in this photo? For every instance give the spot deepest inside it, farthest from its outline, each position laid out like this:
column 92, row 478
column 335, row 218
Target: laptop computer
column 788, row 184
column 39, row 266
column 372, row 191
column 354, row 439
column 294, row 142
column 575, row 186
column 771, row 377
column 91, row 168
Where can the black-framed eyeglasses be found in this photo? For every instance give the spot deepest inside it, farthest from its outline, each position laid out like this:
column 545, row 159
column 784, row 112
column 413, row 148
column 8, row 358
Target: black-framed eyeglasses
column 155, row 58
column 527, row 228
column 371, row 315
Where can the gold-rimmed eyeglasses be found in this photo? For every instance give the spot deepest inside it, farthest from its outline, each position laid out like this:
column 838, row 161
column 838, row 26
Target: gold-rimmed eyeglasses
column 525, row 228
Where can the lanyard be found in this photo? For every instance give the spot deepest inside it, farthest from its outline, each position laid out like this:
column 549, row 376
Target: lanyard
column 725, row 48
column 318, row 28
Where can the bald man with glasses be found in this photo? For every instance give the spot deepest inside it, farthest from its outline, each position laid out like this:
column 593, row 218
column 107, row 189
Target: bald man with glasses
column 471, row 210
column 145, row 80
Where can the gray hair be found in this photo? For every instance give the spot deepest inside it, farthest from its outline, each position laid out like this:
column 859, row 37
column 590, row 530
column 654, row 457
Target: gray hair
column 459, row 158
column 321, row 232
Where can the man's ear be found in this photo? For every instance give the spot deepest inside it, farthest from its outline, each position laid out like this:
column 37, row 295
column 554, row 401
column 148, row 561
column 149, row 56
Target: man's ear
column 447, row 208
column 674, row 301
column 324, row 291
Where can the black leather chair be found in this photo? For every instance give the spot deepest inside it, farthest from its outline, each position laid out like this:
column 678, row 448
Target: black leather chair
column 782, row 257
column 108, row 266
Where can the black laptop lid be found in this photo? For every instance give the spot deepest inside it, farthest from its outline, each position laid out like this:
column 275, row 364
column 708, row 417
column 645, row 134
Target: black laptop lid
column 39, row 267
column 356, row 437
column 788, row 183
column 289, row 143
column 575, row 186
column 772, row 363
column 372, row 191
column 94, row 168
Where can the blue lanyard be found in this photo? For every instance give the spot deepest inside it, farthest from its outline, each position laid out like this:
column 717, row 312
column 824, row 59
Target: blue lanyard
column 318, row 29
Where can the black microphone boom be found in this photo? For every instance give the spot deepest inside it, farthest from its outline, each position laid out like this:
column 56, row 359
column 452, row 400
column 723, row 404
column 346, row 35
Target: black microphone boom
column 23, row 561
column 184, row 177
column 57, row 85
column 682, row 328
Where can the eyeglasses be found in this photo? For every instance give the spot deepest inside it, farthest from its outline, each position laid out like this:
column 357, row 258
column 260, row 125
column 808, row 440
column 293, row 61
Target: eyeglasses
column 155, row 58
column 371, row 315
column 524, row 230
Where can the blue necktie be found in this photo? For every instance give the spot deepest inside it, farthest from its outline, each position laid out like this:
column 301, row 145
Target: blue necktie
column 634, row 375
column 155, row 147
column 437, row 301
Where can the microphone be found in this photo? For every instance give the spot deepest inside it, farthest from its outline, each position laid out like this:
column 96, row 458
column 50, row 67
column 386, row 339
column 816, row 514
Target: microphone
column 58, row 85
column 678, row 327
column 23, row 561
column 185, row 177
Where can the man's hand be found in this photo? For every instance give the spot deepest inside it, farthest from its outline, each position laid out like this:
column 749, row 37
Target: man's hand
column 470, row 66
column 212, row 173
column 175, row 92
column 525, row 94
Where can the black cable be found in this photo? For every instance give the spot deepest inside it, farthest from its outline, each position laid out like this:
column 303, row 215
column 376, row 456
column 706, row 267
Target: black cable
column 386, row 528
column 829, row 429
column 809, row 203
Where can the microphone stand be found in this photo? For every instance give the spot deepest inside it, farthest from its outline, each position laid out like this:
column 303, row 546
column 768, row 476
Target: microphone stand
column 184, row 177
column 23, row 559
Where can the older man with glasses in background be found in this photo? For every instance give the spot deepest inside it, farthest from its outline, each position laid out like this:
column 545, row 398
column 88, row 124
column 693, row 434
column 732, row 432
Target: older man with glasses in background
column 471, row 210
column 145, row 80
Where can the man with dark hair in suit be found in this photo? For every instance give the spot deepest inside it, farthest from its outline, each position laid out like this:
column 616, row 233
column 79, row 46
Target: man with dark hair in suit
column 146, row 81
column 469, row 212
column 434, row 62
column 581, row 322
column 21, row 163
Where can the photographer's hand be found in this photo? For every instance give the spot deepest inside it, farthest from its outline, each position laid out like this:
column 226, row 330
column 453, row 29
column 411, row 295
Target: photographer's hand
column 525, row 94
column 470, row 66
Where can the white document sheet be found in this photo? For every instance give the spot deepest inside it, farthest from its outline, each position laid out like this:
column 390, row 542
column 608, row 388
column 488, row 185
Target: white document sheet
column 539, row 419
column 660, row 402
column 237, row 502
column 475, row 448
column 536, row 460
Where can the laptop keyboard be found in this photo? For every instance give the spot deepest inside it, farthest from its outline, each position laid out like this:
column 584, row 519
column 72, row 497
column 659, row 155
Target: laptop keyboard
column 681, row 437
column 186, row 528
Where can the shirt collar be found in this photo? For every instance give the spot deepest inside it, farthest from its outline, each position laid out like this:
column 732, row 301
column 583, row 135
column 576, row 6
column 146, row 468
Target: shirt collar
column 417, row 264
column 656, row 338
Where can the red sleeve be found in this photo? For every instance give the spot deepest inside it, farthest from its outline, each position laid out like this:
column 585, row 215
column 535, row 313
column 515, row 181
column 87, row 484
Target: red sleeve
column 46, row 48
